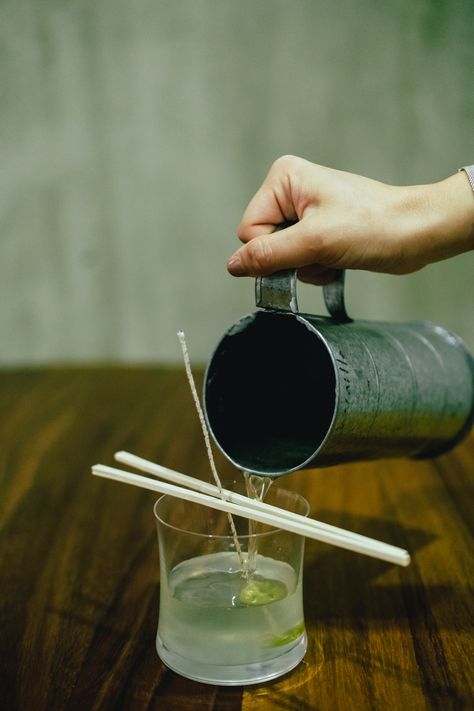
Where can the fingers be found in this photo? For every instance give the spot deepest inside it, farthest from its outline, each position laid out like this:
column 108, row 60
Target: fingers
column 268, row 253
column 316, row 274
column 284, row 197
column 273, row 203
column 261, row 216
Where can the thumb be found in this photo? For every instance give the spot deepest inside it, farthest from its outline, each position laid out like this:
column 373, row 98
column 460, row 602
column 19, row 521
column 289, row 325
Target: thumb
column 268, row 253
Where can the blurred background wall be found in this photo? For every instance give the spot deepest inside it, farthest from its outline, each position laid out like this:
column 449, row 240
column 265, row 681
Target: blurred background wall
column 132, row 135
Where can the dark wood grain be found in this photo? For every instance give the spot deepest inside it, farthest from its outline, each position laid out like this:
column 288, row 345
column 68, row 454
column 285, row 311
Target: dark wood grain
column 79, row 561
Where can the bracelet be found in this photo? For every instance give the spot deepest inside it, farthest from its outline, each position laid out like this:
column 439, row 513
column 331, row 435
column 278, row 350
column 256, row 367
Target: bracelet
column 469, row 170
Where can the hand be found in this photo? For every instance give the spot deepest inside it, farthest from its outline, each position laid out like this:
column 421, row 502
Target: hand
column 345, row 221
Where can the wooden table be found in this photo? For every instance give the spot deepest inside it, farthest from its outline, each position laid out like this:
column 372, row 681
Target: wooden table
column 79, row 561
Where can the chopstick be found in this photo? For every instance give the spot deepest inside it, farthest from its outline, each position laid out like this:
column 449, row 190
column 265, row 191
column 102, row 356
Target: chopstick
column 305, row 527
column 210, row 489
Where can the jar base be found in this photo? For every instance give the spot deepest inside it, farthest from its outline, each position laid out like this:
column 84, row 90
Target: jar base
column 234, row 674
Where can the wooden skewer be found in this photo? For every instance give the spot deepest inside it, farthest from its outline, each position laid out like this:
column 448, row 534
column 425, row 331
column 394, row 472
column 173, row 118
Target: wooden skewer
column 270, row 515
column 180, row 479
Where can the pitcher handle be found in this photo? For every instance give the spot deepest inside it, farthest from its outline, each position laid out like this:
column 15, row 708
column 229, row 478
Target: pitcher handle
column 334, row 298
column 278, row 291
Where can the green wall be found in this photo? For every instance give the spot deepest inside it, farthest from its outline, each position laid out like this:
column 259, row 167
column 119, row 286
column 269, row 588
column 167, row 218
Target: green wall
column 132, row 135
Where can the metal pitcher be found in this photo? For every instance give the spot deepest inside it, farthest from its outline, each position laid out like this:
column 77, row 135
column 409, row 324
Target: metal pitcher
column 286, row 390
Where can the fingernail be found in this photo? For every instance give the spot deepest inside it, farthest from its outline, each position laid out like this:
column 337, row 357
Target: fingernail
column 235, row 267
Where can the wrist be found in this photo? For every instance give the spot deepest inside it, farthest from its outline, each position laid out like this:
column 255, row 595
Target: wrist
column 440, row 218
column 455, row 215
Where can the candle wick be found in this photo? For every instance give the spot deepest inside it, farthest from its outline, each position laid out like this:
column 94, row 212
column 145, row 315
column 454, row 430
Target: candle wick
column 207, row 440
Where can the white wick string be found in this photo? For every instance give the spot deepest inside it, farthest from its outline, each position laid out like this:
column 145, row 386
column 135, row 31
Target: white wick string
column 207, row 439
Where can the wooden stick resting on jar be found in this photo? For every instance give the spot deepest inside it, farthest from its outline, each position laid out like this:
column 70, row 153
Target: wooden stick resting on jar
column 239, row 505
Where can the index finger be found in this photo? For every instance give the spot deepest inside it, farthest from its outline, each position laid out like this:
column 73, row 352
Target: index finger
column 270, row 206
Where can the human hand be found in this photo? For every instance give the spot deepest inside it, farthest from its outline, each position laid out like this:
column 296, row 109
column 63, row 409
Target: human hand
column 345, row 221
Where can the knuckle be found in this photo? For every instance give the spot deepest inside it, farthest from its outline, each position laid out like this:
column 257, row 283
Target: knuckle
column 285, row 162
